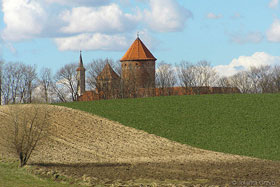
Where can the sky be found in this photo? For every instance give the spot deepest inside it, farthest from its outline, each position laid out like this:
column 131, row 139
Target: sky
column 232, row 35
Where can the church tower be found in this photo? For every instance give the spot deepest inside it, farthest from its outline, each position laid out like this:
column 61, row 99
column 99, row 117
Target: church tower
column 81, row 76
column 138, row 66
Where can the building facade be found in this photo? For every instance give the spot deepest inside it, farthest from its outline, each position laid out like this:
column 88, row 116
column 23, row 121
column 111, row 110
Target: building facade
column 137, row 79
column 138, row 66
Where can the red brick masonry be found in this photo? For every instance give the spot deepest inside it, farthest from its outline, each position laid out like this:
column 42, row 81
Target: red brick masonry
column 150, row 92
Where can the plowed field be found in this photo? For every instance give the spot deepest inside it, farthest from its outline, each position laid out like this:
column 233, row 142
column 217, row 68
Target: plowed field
column 98, row 150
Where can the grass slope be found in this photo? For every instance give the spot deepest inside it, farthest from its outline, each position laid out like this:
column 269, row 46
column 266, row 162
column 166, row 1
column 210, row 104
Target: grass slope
column 11, row 175
column 238, row 124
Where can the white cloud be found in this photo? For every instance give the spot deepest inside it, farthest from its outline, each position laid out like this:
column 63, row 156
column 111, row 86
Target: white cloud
column 214, row 16
column 92, row 42
column 106, row 19
column 273, row 34
column 89, row 24
column 79, row 2
column 166, row 16
column 273, row 4
column 98, row 41
column 23, row 18
column 245, row 62
column 150, row 42
column 225, row 70
column 251, row 37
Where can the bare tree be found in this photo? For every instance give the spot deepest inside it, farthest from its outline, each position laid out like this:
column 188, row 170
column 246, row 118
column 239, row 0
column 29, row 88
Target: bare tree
column 96, row 67
column 259, row 78
column 6, row 84
column 46, row 82
column 27, row 83
column 206, row 75
column 224, row 82
column 242, row 81
column 266, row 81
column 255, row 80
column 187, row 74
column 16, row 74
column 108, row 87
column 201, row 74
column 66, row 82
column 12, row 80
column 1, row 78
column 31, row 77
column 275, row 76
column 30, row 125
column 93, row 70
column 165, row 77
column 60, row 92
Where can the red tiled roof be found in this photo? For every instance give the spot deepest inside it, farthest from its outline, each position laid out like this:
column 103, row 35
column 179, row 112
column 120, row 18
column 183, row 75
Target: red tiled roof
column 138, row 51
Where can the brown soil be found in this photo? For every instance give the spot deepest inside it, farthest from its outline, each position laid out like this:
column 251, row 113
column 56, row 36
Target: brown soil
column 98, row 150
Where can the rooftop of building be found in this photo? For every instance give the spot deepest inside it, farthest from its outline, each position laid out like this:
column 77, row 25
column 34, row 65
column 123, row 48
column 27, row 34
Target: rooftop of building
column 108, row 73
column 138, row 51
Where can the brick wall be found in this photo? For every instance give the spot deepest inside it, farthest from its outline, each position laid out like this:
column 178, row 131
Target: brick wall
column 151, row 92
column 140, row 73
column 89, row 96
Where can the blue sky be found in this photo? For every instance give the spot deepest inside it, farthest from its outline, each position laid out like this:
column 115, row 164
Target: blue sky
column 229, row 34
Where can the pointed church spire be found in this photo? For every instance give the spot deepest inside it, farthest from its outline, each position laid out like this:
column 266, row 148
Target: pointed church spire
column 81, row 76
column 81, row 60
column 81, row 64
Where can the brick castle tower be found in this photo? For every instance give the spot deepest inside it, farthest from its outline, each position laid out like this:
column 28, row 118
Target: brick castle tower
column 138, row 66
column 81, row 76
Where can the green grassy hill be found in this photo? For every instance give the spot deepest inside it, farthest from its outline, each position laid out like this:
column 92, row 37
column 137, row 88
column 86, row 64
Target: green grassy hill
column 238, row 124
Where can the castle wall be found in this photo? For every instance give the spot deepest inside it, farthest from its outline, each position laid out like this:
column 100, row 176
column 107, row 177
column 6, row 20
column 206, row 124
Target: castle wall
column 151, row 92
column 108, row 84
column 141, row 74
column 89, row 96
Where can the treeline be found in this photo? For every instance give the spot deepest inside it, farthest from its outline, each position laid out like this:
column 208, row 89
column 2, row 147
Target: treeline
column 21, row 83
column 262, row 79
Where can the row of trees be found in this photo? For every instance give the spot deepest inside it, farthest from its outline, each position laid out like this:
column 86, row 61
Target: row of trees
column 20, row 83
column 262, row 79
column 185, row 74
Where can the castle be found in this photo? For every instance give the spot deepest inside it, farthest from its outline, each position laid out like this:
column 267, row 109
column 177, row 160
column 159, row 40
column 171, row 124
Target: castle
column 137, row 79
